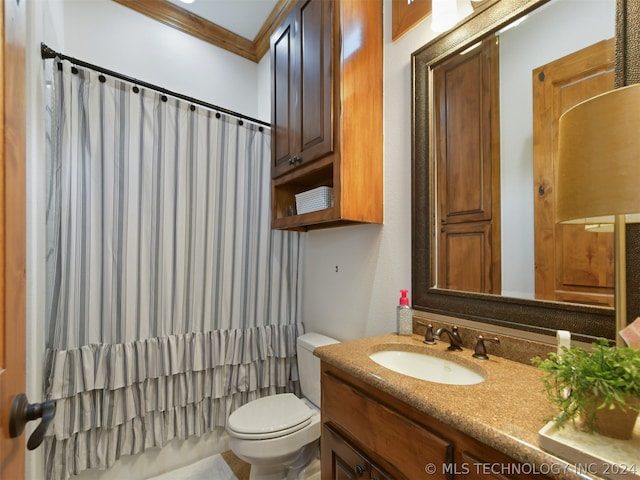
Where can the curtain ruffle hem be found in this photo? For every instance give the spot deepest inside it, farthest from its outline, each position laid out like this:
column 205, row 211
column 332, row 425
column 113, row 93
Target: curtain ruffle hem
column 121, row 399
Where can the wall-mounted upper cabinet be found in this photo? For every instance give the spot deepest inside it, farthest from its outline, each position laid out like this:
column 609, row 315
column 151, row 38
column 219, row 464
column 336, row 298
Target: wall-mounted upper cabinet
column 326, row 61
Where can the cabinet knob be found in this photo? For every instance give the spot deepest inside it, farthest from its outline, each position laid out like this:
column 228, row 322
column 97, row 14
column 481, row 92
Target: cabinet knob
column 297, row 159
column 292, row 161
column 360, row 469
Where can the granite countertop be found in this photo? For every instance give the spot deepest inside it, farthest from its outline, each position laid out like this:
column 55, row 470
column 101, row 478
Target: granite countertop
column 505, row 411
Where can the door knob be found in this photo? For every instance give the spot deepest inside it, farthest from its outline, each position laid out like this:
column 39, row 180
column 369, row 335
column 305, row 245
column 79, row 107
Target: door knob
column 22, row 412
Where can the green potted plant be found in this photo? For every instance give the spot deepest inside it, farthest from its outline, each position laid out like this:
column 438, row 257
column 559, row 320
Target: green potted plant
column 597, row 390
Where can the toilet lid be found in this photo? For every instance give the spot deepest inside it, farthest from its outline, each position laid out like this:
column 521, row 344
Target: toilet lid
column 269, row 417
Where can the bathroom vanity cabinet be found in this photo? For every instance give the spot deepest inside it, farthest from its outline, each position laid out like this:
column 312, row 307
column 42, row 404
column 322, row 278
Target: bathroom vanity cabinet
column 369, row 434
column 326, row 113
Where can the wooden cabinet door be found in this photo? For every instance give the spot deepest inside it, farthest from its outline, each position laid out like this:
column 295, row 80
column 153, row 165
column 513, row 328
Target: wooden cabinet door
column 377, row 474
column 283, row 106
column 314, row 86
column 572, row 265
column 468, row 170
column 346, row 463
column 302, row 93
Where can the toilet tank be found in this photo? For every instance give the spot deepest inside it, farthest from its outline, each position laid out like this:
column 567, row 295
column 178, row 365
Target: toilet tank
column 309, row 365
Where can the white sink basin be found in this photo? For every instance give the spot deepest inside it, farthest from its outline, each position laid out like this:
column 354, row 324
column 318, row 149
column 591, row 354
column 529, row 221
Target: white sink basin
column 426, row 367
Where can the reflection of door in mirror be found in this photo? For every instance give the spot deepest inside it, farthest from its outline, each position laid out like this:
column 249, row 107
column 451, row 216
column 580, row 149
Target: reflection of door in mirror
column 571, row 264
column 483, row 165
column 468, row 164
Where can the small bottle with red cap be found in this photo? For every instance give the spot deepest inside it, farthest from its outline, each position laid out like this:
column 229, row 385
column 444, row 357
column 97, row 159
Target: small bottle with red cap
column 404, row 315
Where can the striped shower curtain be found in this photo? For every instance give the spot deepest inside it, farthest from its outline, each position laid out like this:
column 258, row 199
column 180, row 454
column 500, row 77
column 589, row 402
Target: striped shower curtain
column 170, row 301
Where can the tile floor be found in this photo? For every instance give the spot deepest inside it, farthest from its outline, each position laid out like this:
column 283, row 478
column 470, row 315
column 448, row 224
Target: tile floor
column 225, row 466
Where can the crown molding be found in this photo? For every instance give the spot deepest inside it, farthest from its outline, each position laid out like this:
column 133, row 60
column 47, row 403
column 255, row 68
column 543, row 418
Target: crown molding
column 179, row 18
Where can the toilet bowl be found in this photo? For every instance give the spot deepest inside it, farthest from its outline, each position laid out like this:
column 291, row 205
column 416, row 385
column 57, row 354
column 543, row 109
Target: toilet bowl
column 279, row 435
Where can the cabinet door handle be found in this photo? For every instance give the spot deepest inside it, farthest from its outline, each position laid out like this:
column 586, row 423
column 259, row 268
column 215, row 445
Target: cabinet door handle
column 360, row 469
column 297, row 159
column 292, row 161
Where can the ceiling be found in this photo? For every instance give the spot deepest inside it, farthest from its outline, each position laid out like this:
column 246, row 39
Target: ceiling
column 242, row 27
column 242, row 17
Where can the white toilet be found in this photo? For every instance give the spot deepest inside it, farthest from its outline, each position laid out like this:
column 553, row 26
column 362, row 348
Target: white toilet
column 279, row 435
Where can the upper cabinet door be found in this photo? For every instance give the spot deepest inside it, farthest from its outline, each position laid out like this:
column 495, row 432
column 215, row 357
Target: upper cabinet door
column 315, row 130
column 283, row 94
column 302, row 82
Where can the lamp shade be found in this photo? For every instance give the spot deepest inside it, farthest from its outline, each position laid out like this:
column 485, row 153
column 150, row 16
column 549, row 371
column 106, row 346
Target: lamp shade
column 598, row 169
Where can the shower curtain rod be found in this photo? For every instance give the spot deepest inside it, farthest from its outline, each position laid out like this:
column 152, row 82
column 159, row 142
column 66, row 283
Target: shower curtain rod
column 47, row 53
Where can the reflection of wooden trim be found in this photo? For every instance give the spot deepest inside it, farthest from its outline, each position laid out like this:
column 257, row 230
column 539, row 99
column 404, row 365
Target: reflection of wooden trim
column 192, row 24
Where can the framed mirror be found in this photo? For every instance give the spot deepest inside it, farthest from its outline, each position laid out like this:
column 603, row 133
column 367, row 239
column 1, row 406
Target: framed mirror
column 500, row 306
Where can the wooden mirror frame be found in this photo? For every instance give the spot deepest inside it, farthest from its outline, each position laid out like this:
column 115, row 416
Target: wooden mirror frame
column 585, row 322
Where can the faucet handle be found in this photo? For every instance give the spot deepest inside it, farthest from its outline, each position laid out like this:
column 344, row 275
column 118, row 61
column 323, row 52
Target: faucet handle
column 481, row 350
column 456, row 339
column 456, row 333
column 428, row 333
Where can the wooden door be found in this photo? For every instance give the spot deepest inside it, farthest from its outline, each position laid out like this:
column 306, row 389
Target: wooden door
column 12, row 230
column 468, row 170
column 571, row 265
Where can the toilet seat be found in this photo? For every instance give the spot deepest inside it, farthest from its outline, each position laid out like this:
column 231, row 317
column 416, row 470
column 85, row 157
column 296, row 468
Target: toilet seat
column 269, row 417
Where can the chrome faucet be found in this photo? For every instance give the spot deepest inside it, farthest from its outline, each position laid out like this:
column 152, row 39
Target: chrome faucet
column 455, row 341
